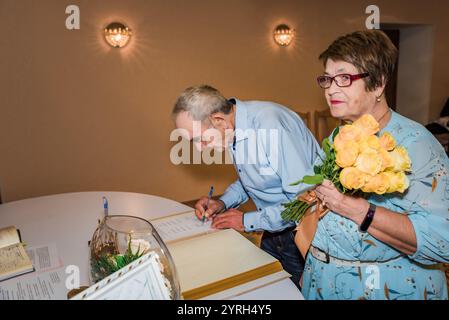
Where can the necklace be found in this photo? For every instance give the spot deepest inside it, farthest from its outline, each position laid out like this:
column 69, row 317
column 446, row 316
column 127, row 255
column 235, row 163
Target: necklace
column 383, row 116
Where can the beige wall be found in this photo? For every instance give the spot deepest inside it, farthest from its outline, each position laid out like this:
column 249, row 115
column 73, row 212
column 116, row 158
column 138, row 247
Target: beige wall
column 76, row 115
column 416, row 58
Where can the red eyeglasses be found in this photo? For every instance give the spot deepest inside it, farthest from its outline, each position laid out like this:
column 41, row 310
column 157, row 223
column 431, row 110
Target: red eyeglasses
column 341, row 80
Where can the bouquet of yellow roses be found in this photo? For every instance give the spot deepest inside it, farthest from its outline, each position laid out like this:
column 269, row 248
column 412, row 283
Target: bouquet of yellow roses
column 358, row 161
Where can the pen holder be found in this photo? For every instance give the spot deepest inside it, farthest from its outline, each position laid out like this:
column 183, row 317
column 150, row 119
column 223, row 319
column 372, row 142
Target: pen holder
column 121, row 239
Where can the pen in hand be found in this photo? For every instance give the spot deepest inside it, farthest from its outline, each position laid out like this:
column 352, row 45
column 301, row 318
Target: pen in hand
column 211, row 191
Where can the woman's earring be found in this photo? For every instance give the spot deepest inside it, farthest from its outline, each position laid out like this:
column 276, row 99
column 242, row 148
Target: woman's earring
column 378, row 99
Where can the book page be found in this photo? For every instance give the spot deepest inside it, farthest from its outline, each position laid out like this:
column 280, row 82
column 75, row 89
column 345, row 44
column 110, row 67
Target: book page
column 14, row 261
column 8, row 236
column 217, row 257
column 181, row 226
column 48, row 285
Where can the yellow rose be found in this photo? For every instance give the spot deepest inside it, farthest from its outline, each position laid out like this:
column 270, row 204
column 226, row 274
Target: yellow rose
column 402, row 183
column 387, row 141
column 369, row 162
column 398, row 181
column 352, row 178
column 401, row 159
column 387, row 160
column 367, row 124
column 347, row 154
column 347, row 133
column 377, row 184
column 371, row 142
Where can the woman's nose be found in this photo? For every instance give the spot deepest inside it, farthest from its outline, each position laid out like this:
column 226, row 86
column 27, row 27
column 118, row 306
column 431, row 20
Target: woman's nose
column 333, row 88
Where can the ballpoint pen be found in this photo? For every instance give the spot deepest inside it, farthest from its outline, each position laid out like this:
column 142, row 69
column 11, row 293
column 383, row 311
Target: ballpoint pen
column 105, row 206
column 211, row 191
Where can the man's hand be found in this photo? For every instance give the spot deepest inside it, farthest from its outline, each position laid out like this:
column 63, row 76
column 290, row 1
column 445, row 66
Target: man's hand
column 215, row 206
column 232, row 218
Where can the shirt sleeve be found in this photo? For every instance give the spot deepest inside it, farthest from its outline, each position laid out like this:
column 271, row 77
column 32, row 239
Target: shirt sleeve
column 234, row 195
column 298, row 150
column 427, row 201
column 268, row 219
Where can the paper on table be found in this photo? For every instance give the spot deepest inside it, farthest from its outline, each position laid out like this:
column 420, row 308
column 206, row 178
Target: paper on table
column 49, row 285
column 44, row 257
column 181, row 226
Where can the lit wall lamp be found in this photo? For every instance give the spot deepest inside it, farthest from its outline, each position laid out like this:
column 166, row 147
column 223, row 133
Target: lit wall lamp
column 283, row 35
column 117, row 35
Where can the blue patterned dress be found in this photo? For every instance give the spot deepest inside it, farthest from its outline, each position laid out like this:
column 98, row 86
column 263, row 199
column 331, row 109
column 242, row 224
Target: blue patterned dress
column 426, row 203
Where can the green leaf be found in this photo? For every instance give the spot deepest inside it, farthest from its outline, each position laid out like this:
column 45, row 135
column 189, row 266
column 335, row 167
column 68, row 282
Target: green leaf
column 316, row 179
column 296, row 183
column 334, row 134
column 120, row 260
column 326, row 147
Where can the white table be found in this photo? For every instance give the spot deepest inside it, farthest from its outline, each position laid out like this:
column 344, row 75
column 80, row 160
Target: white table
column 69, row 220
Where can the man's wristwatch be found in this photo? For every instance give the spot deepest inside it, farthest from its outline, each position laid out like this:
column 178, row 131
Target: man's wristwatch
column 368, row 218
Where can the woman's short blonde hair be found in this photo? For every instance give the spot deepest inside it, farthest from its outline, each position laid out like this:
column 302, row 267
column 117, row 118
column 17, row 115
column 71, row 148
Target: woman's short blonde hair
column 369, row 51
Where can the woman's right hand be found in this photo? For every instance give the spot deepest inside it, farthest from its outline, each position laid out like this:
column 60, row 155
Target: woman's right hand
column 215, row 207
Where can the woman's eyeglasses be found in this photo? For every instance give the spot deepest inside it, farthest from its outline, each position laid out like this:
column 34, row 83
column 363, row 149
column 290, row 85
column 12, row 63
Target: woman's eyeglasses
column 341, row 80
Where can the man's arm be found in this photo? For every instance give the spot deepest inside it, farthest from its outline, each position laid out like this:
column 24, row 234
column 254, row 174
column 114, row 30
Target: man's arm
column 234, row 195
column 297, row 152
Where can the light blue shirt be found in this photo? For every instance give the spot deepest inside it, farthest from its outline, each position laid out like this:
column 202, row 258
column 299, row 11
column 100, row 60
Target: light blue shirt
column 272, row 148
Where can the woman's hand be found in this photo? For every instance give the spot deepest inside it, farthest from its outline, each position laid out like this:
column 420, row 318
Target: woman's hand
column 388, row 226
column 350, row 207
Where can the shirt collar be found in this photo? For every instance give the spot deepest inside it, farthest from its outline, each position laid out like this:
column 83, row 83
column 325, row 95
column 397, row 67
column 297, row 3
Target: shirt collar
column 241, row 120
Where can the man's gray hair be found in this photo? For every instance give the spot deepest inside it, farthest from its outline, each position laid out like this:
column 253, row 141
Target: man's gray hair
column 201, row 102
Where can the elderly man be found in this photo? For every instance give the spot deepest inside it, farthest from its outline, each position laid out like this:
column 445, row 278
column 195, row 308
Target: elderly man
column 270, row 147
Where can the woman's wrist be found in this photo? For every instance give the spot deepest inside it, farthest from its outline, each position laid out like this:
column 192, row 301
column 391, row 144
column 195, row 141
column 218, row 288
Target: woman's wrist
column 357, row 209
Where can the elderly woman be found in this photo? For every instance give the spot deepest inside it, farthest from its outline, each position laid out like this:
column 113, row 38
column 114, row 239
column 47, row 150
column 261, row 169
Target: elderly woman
column 389, row 246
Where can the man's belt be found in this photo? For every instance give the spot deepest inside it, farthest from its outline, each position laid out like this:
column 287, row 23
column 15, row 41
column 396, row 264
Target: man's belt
column 268, row 234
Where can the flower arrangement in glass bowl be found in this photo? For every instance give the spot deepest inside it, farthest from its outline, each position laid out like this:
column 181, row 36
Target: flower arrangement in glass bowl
column 120, row 240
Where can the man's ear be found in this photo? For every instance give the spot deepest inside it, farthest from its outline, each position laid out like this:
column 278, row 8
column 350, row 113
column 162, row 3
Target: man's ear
column 218, row 119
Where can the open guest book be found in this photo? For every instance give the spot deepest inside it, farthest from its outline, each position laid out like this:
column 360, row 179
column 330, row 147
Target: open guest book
column 14, row 260
column 215, row 263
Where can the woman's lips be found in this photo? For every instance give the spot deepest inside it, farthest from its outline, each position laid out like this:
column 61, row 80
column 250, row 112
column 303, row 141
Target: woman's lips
column 335, row 102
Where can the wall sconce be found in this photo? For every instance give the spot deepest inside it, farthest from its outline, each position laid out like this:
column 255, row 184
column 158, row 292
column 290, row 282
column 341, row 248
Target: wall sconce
column 283, row 35
column 117, row 35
